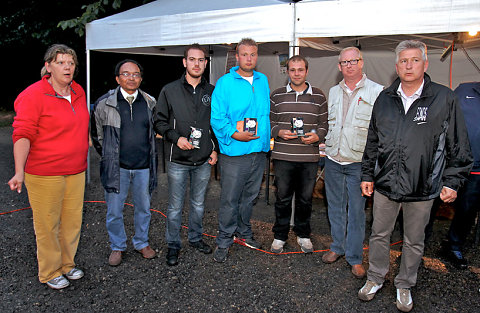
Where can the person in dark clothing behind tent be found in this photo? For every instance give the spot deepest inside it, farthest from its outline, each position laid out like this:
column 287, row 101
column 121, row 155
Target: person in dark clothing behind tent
column 417, row 149
column 468, row 201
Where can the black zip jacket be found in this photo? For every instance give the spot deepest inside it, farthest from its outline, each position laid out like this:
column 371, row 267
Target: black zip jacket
column 178, row 108
column 410, row 157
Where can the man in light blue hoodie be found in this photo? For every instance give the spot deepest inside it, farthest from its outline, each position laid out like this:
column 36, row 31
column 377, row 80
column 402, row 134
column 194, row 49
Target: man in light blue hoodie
column 240, row 119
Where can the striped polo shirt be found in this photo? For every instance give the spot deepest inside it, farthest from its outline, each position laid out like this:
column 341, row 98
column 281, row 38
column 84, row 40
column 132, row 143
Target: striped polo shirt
column 311, row 105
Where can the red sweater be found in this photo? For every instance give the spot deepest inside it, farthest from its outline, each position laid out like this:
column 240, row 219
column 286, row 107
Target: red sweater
column 57, row 130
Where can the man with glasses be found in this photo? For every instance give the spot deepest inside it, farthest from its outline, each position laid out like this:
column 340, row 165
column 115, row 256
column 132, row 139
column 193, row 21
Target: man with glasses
column 182, row 117
column 350, row 106
column 122, row 133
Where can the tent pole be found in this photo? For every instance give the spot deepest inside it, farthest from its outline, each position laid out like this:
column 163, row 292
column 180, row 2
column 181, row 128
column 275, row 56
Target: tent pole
column 88, row 106
column 210, row 64
column 294, row 48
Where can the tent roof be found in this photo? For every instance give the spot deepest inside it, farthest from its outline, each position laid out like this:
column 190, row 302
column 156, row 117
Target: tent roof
column 385, row 17
column 181, row 22
column 163, row 26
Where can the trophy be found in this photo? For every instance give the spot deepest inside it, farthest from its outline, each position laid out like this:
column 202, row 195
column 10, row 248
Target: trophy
column 297, row 126
column 195, row 135
column 250, row 125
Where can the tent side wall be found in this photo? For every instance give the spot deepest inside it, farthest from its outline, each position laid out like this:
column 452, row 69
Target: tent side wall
column 378, row 65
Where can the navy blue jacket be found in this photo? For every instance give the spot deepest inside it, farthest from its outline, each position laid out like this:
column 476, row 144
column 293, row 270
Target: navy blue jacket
column 469, row 96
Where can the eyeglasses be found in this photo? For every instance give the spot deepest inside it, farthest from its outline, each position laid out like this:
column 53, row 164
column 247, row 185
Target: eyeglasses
column 352, row 62
column 128, row 75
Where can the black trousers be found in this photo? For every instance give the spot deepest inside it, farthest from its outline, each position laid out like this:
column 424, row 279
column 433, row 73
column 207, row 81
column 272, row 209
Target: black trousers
column 466, row 206
column 293, row 178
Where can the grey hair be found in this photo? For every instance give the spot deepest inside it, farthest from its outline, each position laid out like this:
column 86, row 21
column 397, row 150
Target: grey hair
column 411, row 44
column 352, row 49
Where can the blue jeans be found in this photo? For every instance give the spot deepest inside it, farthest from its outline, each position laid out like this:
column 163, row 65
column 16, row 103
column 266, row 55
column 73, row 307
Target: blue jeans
column 346, row 209
column 290, row 178
column 178, row 175
column 138, row 181
column 466, row 206
column 240, row 178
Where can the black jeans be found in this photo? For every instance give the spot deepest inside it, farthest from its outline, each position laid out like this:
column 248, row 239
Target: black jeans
column 290, row 178
column 466, row 207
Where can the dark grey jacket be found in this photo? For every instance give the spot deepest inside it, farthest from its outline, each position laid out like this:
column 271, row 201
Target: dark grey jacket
column 105, row 131
column 410, row 157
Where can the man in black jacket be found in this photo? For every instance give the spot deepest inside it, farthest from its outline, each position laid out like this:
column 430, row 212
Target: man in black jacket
column 182, row 117
column 417, row 149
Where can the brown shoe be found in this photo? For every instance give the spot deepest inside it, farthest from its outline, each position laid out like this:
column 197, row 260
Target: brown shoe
column 358, row 271
column 147, row 252
column 330, row 257
column 115, row 258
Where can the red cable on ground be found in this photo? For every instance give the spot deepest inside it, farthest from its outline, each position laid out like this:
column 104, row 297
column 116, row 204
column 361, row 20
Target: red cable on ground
column 208, row 235
column 14, row 211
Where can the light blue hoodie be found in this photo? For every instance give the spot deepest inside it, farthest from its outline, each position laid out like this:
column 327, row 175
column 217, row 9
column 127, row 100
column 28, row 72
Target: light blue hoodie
column 234, row 99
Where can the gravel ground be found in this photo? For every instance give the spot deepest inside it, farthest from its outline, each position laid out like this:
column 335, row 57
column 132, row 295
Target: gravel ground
column 250, row 281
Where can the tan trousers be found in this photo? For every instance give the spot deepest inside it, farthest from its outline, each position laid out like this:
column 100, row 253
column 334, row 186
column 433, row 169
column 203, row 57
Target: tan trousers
column 57, row 204
column 415, row 218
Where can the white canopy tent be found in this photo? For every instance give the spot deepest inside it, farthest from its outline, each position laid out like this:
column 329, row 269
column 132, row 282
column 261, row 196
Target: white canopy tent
column 320, row 28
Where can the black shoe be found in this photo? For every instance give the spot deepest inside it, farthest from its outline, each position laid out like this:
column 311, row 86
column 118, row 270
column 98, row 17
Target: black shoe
column 220, row 254
column 201, row 246
column 456, row 258
column 172, row 256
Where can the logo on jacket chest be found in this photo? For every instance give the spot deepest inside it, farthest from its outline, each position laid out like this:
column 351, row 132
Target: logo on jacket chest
column 421, row 117
column 206, row 100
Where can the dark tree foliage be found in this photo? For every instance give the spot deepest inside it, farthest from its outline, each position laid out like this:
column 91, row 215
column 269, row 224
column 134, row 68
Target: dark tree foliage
column 27, row 28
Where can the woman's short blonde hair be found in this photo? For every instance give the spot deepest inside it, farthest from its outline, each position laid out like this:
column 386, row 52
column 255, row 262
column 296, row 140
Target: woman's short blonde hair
column 51, row 55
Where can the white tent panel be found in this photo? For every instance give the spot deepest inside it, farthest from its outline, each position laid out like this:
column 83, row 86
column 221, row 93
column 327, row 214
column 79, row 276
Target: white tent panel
column 385, row 17
column 182, row 22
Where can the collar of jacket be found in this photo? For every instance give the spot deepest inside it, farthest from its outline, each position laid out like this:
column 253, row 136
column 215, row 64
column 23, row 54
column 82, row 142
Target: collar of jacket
column 112, row 98
column 202, row 83
column 476, row 88
column 234, row 69
column 51, row 92
column 426, row 92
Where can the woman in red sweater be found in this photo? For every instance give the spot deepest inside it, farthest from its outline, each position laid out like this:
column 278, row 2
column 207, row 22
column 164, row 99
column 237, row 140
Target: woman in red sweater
column 50, row 136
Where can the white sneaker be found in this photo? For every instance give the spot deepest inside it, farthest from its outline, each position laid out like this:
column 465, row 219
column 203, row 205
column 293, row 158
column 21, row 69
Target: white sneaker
column 74, row 274
column 277, row 246
column 305, row 244
column 368, row 291
column 59, row 282
column 404, row 299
